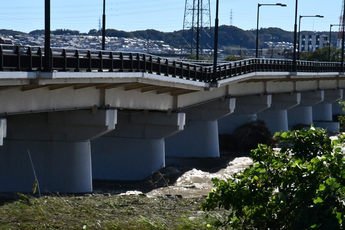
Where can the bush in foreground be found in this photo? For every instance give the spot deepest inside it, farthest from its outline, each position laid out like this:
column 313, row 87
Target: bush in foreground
column 302, row 186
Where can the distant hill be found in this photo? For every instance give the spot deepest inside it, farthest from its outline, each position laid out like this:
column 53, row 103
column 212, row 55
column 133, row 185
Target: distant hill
column 229, row 36
column 10, row 32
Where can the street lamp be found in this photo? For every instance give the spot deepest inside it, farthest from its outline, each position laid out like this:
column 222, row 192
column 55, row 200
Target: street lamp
column 294, row 66
column 257, row 24
column 103, row 27
column 47, row 63
column 342, row 42
column 215, row 49
column 299, row 29
column 330, row 40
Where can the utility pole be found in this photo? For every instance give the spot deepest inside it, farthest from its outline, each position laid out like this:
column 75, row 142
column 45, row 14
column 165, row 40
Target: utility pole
column 343, row 37
column 294, row 62
column 215, row 55
column 47, row 56
column 103, row 29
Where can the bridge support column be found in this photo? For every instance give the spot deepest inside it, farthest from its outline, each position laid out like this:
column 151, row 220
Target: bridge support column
column 136, row 149
column 3, row 130
column 303, row 113
column 323, row 112
column 276, row 116
column 59, row 146
column 245, row 112
column 337, row 108
column 200, row 137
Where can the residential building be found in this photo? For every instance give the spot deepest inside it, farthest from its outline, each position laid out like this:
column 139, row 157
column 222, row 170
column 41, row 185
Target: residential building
column 312, row 42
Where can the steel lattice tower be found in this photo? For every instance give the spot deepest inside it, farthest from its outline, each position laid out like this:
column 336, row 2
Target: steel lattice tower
column 341, row 27
column 197, row 27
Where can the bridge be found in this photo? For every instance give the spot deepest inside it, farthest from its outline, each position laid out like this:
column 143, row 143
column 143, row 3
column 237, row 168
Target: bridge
column 119, row 116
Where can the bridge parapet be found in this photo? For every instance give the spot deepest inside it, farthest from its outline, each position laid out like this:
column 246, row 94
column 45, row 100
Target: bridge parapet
column 22, row 58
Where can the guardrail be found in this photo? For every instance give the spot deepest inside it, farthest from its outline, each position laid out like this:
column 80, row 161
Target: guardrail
column 25, row 58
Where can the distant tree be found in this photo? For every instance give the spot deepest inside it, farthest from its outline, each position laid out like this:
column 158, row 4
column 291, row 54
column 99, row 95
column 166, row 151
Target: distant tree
column 93, row 32
column 149, row 34
column 65, row 31
column 234, row 58
column 37, row 32
column 232, row 36
column 10, row 32
column 193, row 57
column 118, row 33
column 322, row 55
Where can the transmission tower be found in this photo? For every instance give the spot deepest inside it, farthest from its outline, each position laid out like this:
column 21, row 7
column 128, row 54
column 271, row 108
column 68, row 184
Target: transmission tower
column 99, row 25
column 197, row 27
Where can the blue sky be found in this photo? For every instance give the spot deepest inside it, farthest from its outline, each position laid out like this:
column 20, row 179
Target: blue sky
column 167, row 15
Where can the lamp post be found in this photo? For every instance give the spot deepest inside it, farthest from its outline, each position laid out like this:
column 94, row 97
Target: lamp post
column 257, row 24
column 198, row 33
column 214, row 80
column 330, row 40
column 294, row 66
column 342, row 42
column 103, row 27
column 47, row 63
column 299, row 29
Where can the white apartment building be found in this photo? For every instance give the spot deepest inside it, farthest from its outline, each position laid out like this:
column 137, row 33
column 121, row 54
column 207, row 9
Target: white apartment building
column 312, row 42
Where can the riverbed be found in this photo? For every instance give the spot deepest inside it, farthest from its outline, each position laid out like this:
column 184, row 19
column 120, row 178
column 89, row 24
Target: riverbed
column 187, row 181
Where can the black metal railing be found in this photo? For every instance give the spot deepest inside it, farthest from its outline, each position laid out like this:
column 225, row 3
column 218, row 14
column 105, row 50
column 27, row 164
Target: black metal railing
column 24, row 58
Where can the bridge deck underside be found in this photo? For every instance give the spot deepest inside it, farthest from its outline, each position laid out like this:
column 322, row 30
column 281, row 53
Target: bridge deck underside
column 24, row 92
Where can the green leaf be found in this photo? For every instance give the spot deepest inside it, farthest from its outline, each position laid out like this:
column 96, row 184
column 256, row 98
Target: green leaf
column 322, row 187
column 339, row 217
column 318, row 200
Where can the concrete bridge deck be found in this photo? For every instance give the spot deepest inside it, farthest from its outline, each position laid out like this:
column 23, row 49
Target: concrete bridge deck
column 118, row 116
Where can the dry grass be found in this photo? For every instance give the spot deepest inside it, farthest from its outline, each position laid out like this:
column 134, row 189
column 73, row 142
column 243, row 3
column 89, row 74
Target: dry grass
column 103, row 212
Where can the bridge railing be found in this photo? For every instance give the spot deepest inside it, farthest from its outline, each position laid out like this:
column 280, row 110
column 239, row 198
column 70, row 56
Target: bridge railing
column 26, row 58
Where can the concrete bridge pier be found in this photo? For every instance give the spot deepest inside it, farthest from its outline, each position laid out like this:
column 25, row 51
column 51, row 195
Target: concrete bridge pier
column 246, row 111
column 136, row 148
column 3, row 130
column 58, row 143
column 276, row 116
column 200, row 137
column 303, row 113
column 337, row 108
column 323, row 112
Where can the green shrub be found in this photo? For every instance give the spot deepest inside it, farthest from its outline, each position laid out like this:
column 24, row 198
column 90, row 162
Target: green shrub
column 299, row 187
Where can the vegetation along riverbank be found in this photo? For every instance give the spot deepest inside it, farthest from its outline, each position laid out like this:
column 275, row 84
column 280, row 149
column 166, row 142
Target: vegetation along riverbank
column 300, row 185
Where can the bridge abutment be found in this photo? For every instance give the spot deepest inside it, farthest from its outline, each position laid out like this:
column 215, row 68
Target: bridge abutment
column 136, row 148
column 200, row 136
column 276, row 116
column 59, row 146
